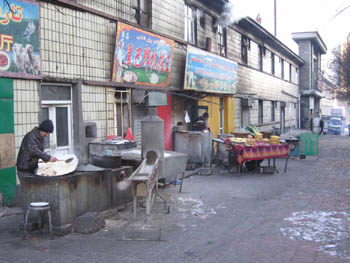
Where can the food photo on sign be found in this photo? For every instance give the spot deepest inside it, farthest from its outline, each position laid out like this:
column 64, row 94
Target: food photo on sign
column 20, row 44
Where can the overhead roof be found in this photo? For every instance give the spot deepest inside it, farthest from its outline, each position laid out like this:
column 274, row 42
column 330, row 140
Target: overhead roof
column 314, row 37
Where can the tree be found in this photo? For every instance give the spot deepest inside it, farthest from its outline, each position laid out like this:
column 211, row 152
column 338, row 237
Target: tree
column 340, row 68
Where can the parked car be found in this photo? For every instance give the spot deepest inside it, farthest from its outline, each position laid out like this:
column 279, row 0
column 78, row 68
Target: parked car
column 335, row 126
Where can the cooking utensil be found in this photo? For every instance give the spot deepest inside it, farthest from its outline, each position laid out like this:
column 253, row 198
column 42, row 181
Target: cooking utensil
column 68, row 160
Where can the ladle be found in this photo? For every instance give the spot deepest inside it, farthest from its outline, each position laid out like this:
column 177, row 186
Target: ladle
column 68, row 160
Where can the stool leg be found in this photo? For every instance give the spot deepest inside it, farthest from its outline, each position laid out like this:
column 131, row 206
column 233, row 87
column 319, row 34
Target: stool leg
column 40, row 221
column 50, row 223
column 135, row 206
column 182, row 180
column 25, row 224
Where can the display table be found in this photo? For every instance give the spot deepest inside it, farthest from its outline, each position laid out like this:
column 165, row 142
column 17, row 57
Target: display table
column 240, row 153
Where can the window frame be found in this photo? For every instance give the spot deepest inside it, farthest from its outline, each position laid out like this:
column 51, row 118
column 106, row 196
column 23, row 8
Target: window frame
column 190, row 34
column 245, row 46
column 272, row 63
column 261, row 58
column 221, row 39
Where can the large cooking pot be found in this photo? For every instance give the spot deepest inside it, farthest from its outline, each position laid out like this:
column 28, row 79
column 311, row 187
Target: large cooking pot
column 107, row 161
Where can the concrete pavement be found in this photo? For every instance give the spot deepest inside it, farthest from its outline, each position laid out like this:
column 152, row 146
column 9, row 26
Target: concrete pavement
column 301, row 216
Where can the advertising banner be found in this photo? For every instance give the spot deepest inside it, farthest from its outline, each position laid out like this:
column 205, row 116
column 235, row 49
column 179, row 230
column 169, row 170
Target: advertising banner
column 210, row 73
column 19, row 40
column 141, row 57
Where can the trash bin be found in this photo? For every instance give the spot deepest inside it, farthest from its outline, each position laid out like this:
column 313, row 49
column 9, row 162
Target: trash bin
column 294, row 149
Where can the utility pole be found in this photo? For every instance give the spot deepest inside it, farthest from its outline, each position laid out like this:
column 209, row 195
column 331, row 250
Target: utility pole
column 275, row 18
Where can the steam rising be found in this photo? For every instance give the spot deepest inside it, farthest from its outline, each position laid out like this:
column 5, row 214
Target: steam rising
column 233, row 11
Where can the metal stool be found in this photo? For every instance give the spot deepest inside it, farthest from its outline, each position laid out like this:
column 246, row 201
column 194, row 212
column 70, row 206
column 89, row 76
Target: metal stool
column 38, row 206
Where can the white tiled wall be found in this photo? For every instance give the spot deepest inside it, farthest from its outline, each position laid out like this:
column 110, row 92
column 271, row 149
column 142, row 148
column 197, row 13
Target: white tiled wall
column 26, row 108
column 76, row 44
column 95, row 108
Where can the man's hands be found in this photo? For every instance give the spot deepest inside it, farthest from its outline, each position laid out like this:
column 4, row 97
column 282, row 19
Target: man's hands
column 53, row 159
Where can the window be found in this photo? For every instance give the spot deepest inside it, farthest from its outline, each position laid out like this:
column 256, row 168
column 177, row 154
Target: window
column 140, row 12
column 221, row 40
column 272, row 63
column 261, row 112
column 245, row 46
column 290, row 72
column 282, row 68
column 296, row 75
column 273, row 105
column 190, row 24
column 261, row 57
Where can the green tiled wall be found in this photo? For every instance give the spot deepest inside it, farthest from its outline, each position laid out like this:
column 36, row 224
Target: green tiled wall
column 8, row 185
column 7, row 175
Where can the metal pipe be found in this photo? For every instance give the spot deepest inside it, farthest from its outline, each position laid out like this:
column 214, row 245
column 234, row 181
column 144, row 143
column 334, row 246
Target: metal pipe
column 275, row 17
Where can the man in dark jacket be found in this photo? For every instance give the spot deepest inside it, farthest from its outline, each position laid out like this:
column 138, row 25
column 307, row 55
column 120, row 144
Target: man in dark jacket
column 32, row 148
column 200, row 124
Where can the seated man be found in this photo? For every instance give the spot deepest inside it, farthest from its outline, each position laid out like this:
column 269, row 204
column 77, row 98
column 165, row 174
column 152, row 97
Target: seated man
column 200, row 124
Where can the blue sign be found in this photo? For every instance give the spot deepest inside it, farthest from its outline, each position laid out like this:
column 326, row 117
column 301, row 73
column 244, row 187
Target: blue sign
column 210, row 73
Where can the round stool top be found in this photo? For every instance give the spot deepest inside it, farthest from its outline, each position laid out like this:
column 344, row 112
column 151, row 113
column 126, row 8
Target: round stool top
column 39, row 204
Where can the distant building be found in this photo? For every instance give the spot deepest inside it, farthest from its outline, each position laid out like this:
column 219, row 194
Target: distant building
column 311, row 47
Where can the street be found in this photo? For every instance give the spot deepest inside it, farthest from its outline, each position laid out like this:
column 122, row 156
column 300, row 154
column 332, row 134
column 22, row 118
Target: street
column 299, row 216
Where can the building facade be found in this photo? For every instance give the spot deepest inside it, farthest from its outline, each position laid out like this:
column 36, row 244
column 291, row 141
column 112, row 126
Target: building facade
column 311, row 47
column 59, row 61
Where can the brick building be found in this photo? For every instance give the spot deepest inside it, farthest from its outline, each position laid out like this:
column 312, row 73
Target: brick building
column 311, row 47
column 62, row 65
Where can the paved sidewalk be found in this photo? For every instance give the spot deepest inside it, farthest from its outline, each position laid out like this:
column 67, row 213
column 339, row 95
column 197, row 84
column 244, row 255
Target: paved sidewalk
column 298, row 217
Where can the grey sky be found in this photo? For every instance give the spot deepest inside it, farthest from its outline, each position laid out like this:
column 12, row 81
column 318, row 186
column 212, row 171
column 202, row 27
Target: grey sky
column 300, row 16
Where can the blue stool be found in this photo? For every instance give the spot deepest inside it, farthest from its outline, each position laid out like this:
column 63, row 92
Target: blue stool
column 38, row 206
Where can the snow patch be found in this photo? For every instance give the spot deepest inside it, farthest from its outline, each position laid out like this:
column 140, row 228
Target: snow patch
column 327, row 227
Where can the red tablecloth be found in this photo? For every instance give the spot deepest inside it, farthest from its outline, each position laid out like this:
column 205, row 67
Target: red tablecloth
column 259, row 151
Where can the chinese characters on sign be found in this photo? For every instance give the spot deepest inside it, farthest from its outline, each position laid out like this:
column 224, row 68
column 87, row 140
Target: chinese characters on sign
column 210, row 73
column 141, row 57
column 19, row 40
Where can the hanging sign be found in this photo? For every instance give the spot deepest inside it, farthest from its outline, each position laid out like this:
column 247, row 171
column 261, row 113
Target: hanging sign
column 210, row 73
column 141, row 57
column 19, row 40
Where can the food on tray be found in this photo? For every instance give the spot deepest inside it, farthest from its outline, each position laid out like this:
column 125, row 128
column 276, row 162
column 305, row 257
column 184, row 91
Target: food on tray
column 238, row 140
column 153, row 78
column 250, row 142
column 46, row 171
column 129, row 76
column 258, row 136
column 57, row 168
column 274, row 139
column 4, row 61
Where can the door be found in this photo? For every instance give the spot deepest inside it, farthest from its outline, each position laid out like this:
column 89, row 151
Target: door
column 60, row 141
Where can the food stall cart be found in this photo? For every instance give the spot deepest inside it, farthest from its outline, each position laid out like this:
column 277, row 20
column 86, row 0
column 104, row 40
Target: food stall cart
column 241, row 154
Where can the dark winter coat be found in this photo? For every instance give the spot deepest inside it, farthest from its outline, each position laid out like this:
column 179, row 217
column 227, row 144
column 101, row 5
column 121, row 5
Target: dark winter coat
column 32, row 148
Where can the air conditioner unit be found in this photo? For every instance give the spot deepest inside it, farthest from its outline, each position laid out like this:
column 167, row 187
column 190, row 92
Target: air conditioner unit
column 246, row 102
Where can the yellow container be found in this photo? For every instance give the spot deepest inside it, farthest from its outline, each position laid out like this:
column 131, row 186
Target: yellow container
column 258, row 136
column 274, row 139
